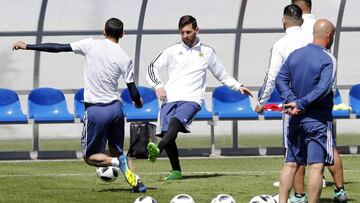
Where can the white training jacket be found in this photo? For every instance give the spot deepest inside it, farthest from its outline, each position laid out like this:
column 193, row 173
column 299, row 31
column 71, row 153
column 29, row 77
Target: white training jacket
column 308, row 24
column 294, row 39
column 186, row 68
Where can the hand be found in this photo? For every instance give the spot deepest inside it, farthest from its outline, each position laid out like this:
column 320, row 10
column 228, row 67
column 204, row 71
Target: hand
column 291, row 109
column 161, row 93
column 295, row 112
column 140, row 105
column 259, row 109
column 245, row 90
column 19, row 45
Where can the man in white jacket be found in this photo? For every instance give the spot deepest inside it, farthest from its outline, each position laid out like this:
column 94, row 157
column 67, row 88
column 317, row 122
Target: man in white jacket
column 186, row 63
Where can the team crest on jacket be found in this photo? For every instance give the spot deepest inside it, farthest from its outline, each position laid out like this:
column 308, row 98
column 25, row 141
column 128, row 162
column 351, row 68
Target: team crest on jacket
column 201, row 54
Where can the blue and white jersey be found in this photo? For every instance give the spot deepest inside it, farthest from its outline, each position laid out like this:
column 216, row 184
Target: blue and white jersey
column 308, row 77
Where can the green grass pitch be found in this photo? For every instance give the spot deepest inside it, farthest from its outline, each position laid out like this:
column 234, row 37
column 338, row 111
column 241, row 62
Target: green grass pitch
column 73, row 181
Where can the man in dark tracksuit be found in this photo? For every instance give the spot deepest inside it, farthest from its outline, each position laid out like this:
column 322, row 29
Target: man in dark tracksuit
column 306, row 82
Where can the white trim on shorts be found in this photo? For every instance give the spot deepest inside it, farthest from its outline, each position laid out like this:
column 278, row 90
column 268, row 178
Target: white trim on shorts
column 329, row 143
column 285, row 129
column 84, row 134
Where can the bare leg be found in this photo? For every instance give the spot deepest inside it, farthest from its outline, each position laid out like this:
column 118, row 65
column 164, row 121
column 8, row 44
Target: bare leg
column 336, row 170
column 286, row 180
column 316, row 172
column 299, row 180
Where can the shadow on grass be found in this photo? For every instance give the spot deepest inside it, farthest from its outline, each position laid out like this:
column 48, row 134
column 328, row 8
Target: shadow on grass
column 330, row 200
column 328, row 184
column 202, row 176
column 124, row 189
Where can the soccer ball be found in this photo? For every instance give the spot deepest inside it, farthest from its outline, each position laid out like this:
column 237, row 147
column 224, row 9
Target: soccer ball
column 262, row 199
column 107, row 174
column 276, row 198
column 182, row 198
column 223, row 198
column 145, row 199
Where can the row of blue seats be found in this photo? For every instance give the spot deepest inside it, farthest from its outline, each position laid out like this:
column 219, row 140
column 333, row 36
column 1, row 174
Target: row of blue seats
column 48, row 105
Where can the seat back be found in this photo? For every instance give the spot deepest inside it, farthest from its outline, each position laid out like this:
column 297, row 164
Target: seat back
column 79, row 104
column 46, row 101
column 354, row 97
column 150, row 107
column 147, row 94
column 224, row 97
column 337, row 98
column 274, row 97
column 10, row 106
column 203, row 114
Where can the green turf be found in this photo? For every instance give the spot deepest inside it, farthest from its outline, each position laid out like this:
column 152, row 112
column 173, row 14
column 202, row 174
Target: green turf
column 73, row 181
column 184, row 141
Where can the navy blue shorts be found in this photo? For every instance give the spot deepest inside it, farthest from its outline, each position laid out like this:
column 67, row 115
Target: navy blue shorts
column 310, row 142
column 103, row 123
column 185, row 111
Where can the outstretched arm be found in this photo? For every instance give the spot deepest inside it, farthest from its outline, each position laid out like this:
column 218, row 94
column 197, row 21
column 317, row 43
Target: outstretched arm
column 218, row 70
column 47, row 47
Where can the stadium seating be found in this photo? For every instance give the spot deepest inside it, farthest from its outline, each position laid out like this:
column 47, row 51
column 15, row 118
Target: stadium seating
column 232, row 105
column 79, row 106
column 274, row 99
column 354, row 99
column 48, row 105
column 10, row 108
column 339, row 113
column 150, row 109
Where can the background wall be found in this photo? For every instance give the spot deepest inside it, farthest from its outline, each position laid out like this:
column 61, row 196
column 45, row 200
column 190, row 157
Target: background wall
column 241, row 32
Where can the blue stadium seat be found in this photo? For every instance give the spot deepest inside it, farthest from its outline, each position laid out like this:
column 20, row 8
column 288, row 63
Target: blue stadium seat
column 48, row 105
column 274, row 99
column 10, row 108
column 354, row 99
column 339, row 113
column 150, row 109
column 79, row 105
column 203, row 114
column 232, row 105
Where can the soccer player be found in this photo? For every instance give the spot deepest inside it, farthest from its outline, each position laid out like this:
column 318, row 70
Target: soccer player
column 310, row 139
column 105, row 63
column 308, row 17
column 336, row 170
column 186, row 63
column 294, row 39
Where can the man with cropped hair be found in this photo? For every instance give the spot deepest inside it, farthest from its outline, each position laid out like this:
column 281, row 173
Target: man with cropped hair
column 186, row 63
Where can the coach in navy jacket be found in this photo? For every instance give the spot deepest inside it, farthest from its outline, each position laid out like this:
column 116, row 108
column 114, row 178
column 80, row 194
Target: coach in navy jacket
column 306, row 82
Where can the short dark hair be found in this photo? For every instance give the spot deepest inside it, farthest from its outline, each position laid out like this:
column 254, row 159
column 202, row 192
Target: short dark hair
column 187, row 19
column 293, row 12
column 114, row 28
column 307, row 3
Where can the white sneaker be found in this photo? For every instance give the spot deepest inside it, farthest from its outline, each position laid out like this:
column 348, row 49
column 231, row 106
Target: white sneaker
column 276, row 184
column 324, row 183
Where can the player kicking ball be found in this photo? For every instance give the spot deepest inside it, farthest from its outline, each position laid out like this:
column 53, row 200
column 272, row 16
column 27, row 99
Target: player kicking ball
column 186, row 63
column 105, row 63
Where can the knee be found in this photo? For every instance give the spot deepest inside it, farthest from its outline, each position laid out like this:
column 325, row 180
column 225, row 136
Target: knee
column 316, row 166
column 87, row 160
column 291, row 165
